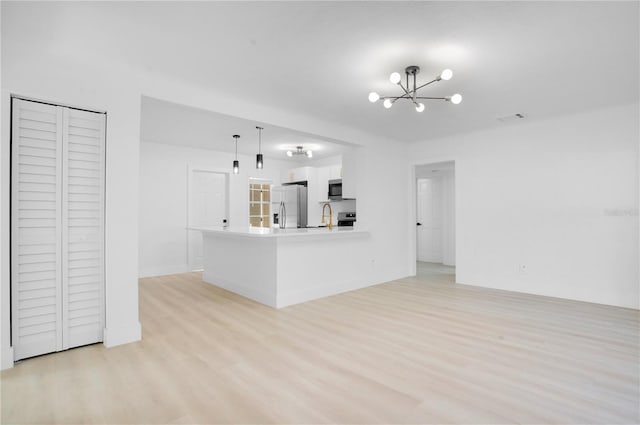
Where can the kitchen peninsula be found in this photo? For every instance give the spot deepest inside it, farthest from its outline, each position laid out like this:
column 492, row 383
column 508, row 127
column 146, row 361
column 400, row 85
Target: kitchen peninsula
column 281, row 267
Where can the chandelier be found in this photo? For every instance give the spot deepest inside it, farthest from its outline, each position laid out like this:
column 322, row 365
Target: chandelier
column 412, row 95
column 300, row 151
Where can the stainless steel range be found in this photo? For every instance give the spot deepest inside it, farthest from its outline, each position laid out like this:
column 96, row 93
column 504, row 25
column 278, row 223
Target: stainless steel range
column 346, row 218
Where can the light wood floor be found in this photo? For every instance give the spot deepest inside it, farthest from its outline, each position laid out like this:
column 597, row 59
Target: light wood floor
column 417, row 350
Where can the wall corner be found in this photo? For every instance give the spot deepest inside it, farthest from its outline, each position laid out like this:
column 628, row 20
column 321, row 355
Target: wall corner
column 7, row 358
column 122, row 334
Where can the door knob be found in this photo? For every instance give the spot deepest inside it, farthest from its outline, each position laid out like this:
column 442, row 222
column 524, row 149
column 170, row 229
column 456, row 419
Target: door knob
column 418, row 224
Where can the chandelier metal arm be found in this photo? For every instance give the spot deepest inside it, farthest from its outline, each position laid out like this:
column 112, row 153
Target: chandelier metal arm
column 414, row 88
column 406, row 90
column 395, row 98
column 432, row 98
column 406, row 95
column 411, row 95
column 426, row 84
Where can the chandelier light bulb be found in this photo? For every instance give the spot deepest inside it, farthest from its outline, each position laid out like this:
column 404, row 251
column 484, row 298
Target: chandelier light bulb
column 289, row 154
column 456, row 98
column 309, row 154
column 446, row 74
column 373, row 97
column 420, row 107
column 387, row 103
column 395, row 78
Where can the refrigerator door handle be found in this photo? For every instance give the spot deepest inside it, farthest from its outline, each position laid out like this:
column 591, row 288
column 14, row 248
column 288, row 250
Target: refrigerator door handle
column 284, row 215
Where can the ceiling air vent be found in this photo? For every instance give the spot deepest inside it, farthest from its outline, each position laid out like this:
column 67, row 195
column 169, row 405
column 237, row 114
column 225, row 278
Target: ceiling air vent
column 511, row 117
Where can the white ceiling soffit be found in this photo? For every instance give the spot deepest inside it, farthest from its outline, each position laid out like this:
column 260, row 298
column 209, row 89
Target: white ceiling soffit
column 175, row 124
column 542, row 59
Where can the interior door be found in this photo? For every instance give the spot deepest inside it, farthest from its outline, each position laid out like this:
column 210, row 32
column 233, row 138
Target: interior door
column 429, row 220
column 83, row 227
column 36, row 228
column 57, row 227
column 207, row 208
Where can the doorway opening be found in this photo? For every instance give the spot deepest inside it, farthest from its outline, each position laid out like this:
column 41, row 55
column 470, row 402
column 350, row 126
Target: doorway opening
column 435, row 220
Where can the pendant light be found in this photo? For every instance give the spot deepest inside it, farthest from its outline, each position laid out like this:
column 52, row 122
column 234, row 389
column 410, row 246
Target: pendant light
column 259, row 163
column 236, row 163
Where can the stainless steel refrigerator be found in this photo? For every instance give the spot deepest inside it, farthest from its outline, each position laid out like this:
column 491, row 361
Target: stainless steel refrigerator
column 289, row 206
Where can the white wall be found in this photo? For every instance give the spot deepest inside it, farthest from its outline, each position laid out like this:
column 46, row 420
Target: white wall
column 163, row 200
column 559, row 197
column 449, row 218
column 382, row 200
column 6, row 351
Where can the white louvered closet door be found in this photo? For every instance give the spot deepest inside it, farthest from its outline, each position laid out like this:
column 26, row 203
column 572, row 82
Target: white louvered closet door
column 83, row 227
column 36, row 235
column 57, row 236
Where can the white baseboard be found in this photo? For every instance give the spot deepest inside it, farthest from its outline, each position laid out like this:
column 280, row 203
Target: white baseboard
column 7, row 358
column 297, row 297
column 251, row 293
column 118, row 335
column 163, row 270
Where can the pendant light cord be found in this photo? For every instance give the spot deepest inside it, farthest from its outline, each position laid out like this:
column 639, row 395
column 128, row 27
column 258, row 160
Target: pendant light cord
column 259, row 139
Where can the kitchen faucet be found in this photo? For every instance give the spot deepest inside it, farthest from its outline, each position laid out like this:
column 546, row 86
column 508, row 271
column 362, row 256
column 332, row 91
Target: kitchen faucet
column 330, row 224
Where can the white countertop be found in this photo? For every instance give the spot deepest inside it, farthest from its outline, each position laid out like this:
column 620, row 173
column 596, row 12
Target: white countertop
column 262, row 232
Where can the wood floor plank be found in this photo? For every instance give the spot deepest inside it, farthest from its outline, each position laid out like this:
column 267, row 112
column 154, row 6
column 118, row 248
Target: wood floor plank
column 416, row 350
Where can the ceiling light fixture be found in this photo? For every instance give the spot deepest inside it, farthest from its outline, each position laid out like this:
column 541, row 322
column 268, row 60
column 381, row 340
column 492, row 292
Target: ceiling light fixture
column 236, row 164
column 259, row 162
column 411, row 72
column 300, row 151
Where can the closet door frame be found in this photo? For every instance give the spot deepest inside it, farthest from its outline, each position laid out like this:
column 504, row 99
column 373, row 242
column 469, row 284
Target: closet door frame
column 61, row 236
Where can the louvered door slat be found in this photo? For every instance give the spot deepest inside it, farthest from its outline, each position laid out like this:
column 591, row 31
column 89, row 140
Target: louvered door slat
column 36, row 148
column 83, row 218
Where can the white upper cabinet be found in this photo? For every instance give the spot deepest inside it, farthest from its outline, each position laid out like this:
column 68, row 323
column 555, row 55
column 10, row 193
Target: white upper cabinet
column 335, row 171
column 298, row 174
column 318, row 177
column 324, row 175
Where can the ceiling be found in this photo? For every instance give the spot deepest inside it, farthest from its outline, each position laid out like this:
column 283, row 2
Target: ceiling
column 321, row 59
column 175, row 124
